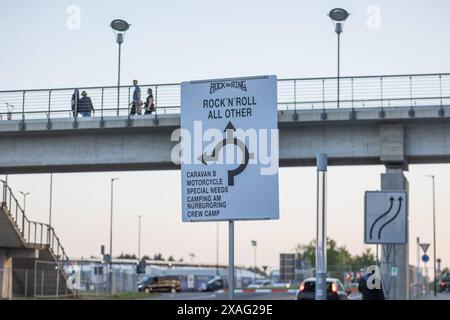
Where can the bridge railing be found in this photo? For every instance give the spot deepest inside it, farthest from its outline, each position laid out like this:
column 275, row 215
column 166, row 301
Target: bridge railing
column 35, row 234
column 381, row 91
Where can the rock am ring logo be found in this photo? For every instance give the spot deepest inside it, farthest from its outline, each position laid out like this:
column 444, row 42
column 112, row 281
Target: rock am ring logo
column 236, row 84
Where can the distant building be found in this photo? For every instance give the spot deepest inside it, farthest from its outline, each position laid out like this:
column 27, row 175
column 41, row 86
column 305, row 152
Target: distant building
column 293, row 268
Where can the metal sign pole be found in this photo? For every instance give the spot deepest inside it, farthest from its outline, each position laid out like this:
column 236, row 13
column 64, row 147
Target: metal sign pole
column 321, row 233
column 231, row 260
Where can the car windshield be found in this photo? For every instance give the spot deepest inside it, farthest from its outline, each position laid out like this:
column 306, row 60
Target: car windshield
column 144, row 280
column 310, row 286
column 213, row 280
column 446, row 277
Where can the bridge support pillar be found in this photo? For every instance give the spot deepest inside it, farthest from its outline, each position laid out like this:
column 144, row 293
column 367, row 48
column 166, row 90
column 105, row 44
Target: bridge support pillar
column 5, row 275
column 395, row 257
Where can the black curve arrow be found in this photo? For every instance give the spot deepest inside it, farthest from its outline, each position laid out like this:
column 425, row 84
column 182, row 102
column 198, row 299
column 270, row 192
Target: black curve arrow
column 204, row 158
column 400, row 199
column 242, row 166
column 382, row 216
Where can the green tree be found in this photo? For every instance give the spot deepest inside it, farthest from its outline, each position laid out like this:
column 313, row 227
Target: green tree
column 126, row 256
column 367, row 258
column 171, row 259
column 158, row 257
column 335, row 255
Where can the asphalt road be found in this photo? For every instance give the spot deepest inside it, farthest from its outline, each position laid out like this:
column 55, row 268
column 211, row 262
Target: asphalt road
column 221, row 296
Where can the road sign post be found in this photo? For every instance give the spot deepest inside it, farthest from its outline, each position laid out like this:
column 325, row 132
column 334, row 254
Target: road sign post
column 321, row 231
column 231, row 260
column 228, row 153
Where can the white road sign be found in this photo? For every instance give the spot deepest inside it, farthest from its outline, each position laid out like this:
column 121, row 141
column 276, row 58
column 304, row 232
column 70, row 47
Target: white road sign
column 385, row 217
column 424, row 247
column 229, row 149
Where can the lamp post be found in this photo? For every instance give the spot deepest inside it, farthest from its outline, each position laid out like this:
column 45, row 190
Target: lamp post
column 434, row 235
column 120, row 27
column 139, row 238
column 111, row 232
column 25, row 194
column 338, row 16
column 321, row 228
column 254, row 244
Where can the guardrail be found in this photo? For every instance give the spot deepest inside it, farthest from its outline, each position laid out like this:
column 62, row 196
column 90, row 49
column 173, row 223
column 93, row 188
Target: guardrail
column 35, row 234
column 381, row 91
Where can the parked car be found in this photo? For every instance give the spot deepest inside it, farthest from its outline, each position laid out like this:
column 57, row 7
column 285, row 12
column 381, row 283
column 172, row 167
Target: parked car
column 260, row 284
column 444, row 284
column 150, row 284
column 216, row 283
column 335, row 290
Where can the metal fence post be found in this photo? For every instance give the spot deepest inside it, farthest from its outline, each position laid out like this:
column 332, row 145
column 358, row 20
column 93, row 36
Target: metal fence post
column 22, row 127
column 323, row 115
column 441, row 109
column 411, row 111
column 49, row 125
column 156, row 120
column 102, row 123
column 57, row 281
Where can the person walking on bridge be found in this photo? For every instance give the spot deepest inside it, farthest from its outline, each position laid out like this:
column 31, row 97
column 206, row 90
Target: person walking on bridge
column 85, row 106
column 149, row 105
column 136, row 105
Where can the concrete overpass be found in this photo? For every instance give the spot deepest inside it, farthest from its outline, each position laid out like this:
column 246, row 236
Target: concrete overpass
column 140, row 143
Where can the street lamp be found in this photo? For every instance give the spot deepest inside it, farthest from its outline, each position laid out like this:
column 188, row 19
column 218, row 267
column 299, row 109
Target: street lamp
column 139, row 238
column 338, row 17
column 434, row 235
column 254, row 244
column 120, row 27
column 25, row 194
column 111, row 231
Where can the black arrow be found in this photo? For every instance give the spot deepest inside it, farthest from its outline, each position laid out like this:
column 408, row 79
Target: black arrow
column 204, row 158
column 400, row 199
column 229, row 127
column 242, row 166
column 380, row 217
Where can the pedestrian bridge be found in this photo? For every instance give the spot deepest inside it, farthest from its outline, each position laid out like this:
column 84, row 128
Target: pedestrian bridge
column 388, row 119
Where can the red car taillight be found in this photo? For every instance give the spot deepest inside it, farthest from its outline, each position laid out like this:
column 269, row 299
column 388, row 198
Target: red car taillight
column 333, row 287
column 302, row 287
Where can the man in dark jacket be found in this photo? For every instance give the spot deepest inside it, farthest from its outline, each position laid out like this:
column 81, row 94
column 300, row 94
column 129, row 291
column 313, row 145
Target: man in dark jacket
column 367, row 293
column 85, row 105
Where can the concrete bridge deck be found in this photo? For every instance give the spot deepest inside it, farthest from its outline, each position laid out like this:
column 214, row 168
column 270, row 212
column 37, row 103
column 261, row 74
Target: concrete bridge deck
column 141, row 143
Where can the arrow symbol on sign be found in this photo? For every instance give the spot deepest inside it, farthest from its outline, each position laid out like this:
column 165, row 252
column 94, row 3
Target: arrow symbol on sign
column 229, row 130
column 400, row 199
column 382, row 216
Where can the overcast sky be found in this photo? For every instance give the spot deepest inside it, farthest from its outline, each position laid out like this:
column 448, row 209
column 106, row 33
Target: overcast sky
column 172, row 41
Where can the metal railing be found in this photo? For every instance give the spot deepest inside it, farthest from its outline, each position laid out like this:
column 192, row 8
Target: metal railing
column 382, row 91
column 35, row 234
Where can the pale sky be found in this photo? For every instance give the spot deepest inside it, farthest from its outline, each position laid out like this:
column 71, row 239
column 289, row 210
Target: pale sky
column 173, row 41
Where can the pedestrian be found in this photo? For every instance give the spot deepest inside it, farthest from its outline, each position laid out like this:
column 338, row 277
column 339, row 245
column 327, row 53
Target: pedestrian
column 136, row 104
column 149, row 105
column 74, row 102
column 367, row 293
column 85, row 106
